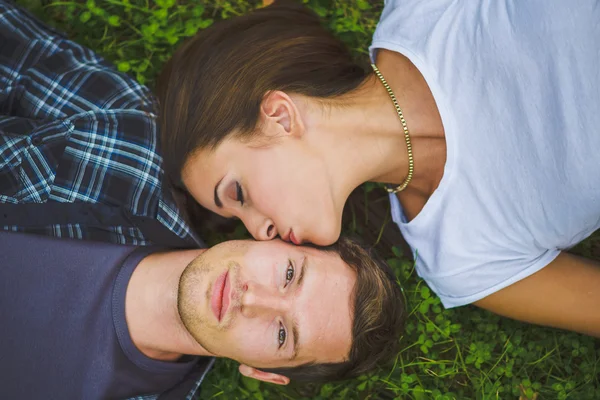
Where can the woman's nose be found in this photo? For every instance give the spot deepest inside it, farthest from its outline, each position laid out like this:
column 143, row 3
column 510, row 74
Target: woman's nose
column 258, row 300
column 261, row 227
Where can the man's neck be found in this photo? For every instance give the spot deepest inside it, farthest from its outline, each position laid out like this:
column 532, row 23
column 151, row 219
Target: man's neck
column 151, row 307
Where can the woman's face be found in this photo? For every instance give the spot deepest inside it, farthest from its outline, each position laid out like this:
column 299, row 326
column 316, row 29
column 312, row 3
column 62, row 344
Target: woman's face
column 282, row 188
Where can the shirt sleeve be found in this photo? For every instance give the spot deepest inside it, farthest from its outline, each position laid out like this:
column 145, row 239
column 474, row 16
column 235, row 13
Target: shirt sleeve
column 470, row 285
column 43, row 75
column 75, row 131
column 24, row 42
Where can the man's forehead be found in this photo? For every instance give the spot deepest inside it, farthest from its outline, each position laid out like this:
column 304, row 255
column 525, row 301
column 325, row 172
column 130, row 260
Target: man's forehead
column 268, row 248
column 325, row 315
column 326, row 258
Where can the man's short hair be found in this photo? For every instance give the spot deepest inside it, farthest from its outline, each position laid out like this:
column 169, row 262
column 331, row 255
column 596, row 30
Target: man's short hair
column 378, row 318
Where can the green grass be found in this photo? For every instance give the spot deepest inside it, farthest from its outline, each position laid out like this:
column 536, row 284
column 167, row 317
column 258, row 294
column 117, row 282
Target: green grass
column 462, row 353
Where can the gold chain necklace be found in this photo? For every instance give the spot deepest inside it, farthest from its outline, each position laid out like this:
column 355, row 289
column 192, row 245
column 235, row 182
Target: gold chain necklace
column 411, row 168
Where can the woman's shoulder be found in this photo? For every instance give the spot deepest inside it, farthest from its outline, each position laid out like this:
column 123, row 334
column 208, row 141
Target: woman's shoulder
column 405, row 21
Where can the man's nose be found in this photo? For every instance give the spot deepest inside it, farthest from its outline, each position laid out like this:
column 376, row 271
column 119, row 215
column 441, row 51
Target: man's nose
column 260, row 300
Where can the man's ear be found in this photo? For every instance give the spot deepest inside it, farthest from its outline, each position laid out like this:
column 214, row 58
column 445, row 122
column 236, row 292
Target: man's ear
column 279, row 111
column 257, row 374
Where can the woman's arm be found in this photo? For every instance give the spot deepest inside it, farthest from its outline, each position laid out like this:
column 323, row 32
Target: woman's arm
column 564, row 294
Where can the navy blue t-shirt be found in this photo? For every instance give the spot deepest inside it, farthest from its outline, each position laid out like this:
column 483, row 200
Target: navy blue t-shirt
column 63, row 333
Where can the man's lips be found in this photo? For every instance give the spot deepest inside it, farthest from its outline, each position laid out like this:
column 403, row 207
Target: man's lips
column 225, row 299
column 219, row 302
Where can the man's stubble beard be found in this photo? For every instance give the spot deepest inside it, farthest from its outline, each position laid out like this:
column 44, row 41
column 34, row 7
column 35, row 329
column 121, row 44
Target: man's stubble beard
column 192, row 277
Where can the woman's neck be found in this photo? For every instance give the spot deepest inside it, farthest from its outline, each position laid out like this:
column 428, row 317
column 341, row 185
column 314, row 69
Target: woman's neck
column 367, row 135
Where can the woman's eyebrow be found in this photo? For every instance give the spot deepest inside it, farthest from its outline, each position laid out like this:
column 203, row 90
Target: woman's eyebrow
column 218, row 201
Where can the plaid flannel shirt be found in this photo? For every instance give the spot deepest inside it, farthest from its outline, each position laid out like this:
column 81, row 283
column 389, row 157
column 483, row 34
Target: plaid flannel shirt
column 78, row 151
column 78, row 144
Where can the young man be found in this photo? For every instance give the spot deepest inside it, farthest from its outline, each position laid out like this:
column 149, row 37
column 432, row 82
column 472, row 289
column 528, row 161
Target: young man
column 78, row 144
column 92, row 320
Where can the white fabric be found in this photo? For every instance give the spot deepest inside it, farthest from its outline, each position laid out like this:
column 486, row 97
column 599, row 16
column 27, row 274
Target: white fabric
column 517, row 84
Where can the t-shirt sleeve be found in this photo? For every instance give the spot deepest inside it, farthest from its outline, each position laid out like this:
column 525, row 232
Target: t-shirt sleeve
column 45, row 76
column 470, row 285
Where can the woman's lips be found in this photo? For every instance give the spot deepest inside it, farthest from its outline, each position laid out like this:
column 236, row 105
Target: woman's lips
column 219, row 301
column 293, row 239
column 290, row 237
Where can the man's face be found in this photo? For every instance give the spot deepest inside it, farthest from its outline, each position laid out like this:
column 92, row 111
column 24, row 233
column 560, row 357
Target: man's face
column 269, row 304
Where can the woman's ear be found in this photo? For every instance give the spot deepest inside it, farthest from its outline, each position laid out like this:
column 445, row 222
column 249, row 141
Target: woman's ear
column 257, row 374
column 280, row 116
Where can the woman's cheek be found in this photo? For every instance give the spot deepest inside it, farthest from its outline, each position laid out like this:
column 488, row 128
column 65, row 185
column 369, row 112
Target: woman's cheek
column 329, row 229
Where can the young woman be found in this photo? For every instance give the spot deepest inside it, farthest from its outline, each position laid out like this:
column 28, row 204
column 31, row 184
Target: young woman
column 483, row 117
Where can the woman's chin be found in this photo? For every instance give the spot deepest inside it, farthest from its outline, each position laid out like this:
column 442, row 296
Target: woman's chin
column 325, row 238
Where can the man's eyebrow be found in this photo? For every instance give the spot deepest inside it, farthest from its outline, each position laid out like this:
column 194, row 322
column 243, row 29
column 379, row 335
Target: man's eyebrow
column 217, row 199
column 302, row 271
column 295, row 333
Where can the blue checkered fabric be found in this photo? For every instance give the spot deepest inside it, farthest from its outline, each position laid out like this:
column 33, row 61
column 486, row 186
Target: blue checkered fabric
column 74, row 130
column 192, row 388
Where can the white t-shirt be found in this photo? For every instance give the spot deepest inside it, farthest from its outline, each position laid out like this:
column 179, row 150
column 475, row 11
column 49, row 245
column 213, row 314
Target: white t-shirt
column 517, row 84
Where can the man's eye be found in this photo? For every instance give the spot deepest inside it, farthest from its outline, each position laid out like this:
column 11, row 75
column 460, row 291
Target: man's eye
column 289, row 273
column 282, row 335
column 239, row 193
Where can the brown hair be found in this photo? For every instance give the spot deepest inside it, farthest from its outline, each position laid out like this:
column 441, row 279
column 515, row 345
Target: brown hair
column 379, row 315
column 214, row 84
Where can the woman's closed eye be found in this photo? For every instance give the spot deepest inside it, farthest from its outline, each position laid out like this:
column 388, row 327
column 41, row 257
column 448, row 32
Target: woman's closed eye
column 235, row 193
